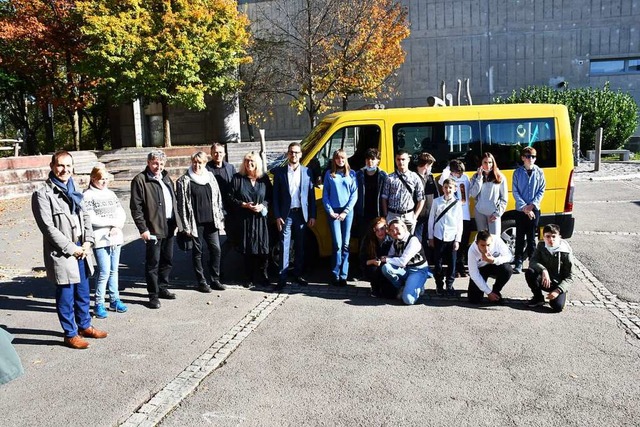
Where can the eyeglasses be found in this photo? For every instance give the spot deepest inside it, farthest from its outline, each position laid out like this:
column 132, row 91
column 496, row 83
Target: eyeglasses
column 529, row 156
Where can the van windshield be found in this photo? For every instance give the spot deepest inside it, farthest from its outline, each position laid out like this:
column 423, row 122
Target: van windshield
column 314, row 136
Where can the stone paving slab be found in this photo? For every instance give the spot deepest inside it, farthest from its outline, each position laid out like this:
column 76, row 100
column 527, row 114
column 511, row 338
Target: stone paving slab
column 105, row 384
column 348, row 361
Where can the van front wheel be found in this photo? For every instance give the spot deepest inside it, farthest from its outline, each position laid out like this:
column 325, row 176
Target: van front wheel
column 509, row 234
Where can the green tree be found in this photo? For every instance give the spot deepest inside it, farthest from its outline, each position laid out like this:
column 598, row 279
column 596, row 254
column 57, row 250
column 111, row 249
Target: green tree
column 330, row 50
column 169, row 51
column 615, row 112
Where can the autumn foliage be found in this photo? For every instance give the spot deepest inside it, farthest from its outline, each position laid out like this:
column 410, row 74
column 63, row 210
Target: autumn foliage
column 330, row 50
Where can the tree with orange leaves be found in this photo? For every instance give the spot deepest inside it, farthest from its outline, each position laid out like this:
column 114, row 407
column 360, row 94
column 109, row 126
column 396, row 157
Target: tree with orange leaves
column 331, row 50
column 41, row 45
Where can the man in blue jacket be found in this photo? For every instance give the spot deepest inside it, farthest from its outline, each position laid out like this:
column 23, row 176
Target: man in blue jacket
column 294, row 206
column 528, row 189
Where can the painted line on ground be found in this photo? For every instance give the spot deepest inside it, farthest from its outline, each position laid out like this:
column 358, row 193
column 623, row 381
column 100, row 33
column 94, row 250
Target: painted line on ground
column 608, row 233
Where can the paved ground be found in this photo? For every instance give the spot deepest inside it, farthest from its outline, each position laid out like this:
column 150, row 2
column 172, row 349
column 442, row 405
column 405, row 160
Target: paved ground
column 322, row 356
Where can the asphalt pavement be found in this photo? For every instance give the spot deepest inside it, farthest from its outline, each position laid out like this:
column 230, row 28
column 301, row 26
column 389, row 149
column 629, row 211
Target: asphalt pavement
column 318, row 355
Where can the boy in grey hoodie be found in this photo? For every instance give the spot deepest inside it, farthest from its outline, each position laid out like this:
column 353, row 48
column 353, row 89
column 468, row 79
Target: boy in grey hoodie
column 550, row 270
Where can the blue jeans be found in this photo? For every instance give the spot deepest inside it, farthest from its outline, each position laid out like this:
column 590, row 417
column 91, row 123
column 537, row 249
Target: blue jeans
column 72, row 304
column 108, row 260
column 293, row 228
column 340, row 236
column 413, row 278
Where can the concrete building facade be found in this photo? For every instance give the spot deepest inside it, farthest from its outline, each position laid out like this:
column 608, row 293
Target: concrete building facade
column 500, row 45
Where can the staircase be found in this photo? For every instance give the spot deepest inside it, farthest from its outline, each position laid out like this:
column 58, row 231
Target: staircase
column 20, row 176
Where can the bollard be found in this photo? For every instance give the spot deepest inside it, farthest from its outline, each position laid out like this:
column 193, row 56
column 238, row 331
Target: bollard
column 596, row 167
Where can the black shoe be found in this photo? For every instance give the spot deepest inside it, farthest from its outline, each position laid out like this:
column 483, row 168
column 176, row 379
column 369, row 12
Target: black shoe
column 165, row 294
column 280, row 285
column 535, row 302
column 154, row 302
column 301, row 281
column 247, row 285
column 517, row 269
column 451, row 292
column 217, row 285
column 342, row 283
column 204, row 288
column 439, row 290
column 334, row 282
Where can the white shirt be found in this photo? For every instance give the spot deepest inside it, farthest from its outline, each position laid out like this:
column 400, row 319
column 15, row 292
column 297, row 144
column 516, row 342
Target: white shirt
column 462, row 190
column 449, row 227
column 498, row 249
column 168, row 201
column 294, row 178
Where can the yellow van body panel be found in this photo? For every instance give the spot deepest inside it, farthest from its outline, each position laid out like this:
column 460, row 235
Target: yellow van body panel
column 557, row 178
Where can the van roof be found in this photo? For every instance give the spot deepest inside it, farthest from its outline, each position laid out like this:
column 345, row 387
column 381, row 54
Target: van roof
column 496, row 111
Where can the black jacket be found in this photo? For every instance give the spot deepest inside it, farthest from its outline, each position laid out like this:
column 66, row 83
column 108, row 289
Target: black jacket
column 147, row 208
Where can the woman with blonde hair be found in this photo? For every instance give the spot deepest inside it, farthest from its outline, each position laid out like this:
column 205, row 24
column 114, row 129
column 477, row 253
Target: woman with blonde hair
column 200, row 207
column 489, row 189
column 107, row 219
column 339, row 196
column 249, row 196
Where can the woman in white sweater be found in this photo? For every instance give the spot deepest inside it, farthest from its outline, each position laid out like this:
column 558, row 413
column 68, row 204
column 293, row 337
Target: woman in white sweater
column 489, row 189
column 107, row 218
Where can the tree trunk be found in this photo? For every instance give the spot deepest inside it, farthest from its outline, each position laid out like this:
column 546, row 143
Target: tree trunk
column 75, row 129
column 166, row 126
column 247, row 116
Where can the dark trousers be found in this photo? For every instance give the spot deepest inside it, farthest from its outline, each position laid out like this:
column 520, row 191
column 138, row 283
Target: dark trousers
column 255, row 267
column 293, row 229
column 526, row 229
column 534, row 280
column 72, row 303
column 443, row 251
column 422, row 233
column 461, row 257
column 380, row 286
column 209, row 234
column 501, row 272
column 159, row 262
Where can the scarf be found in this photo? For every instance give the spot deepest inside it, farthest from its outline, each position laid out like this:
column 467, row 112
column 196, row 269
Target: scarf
column 69, row 190
column 198, row 179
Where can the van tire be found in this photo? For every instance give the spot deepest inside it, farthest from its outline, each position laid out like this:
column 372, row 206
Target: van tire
column 508, row 234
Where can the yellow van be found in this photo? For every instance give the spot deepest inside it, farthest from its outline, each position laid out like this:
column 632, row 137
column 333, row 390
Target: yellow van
column 461, row 132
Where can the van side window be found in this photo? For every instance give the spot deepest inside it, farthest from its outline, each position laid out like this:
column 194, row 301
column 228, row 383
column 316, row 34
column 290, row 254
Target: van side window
column 445, row 141
column 505, row 139
column 354, row 140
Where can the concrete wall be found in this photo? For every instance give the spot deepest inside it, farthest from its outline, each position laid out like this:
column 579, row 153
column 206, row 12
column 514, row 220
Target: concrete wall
column 519, row 42
column 516, row 42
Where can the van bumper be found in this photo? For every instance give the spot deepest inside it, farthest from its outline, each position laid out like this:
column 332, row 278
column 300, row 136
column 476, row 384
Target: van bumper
column 565, row 221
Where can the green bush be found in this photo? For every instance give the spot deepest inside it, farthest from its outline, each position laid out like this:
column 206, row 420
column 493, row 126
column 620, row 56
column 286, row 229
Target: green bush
column 615, row 112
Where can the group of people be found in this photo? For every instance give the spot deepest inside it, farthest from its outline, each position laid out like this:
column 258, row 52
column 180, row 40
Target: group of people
column 403, row 221
column 419, row 222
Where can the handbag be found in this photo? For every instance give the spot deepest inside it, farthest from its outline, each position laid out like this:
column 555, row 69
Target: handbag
column 185, row 242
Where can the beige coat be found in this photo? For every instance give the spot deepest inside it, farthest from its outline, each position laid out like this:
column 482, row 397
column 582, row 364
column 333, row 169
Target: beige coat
column 55, row 221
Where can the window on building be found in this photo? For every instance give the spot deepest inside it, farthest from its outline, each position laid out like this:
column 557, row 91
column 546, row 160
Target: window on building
column 614, row 66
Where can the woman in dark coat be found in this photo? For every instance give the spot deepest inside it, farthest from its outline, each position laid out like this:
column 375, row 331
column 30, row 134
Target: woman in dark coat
column 250, row 194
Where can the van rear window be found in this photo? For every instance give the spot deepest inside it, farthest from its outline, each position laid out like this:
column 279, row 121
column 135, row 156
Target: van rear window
column 468, row 140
